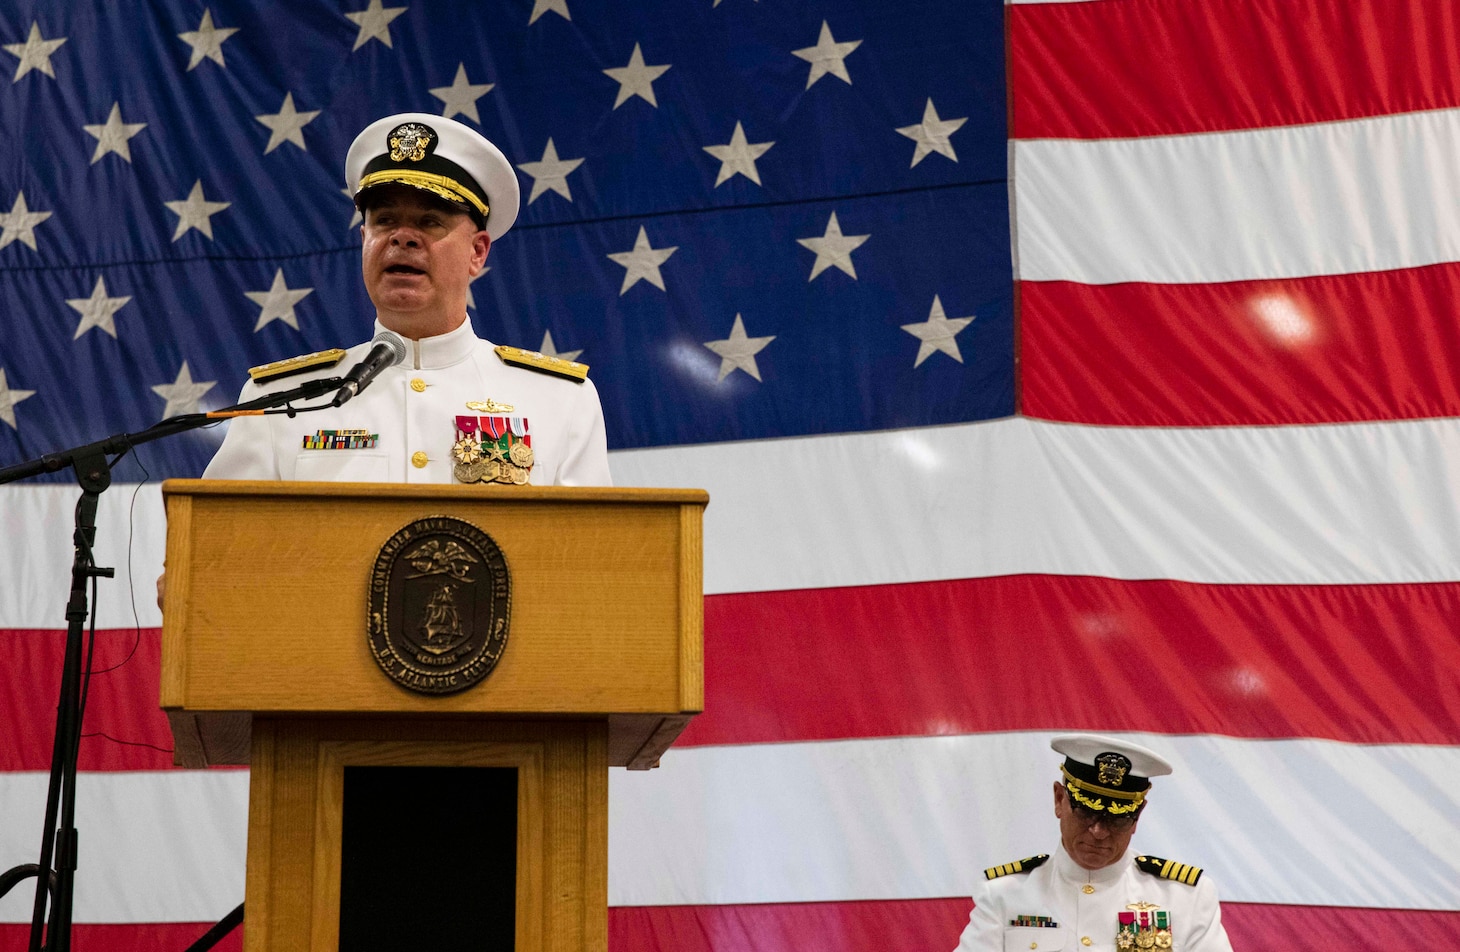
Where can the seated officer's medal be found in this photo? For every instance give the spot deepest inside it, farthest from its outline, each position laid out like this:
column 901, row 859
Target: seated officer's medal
column 1146, row 926
column 492, row 449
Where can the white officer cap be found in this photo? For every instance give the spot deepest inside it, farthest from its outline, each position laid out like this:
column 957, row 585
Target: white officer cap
column 437, row 155
column 1105, row 774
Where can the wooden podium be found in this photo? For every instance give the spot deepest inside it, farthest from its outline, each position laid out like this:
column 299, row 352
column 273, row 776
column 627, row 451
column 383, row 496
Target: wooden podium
column 266, row 661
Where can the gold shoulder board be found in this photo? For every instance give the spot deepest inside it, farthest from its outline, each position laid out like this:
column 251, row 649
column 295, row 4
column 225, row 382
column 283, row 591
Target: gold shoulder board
column 1169, row 869
column 532, row 360
column 1018, row 866
column 263, row 373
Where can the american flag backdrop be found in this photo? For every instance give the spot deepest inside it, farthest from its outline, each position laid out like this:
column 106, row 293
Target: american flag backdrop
column 1051, row 366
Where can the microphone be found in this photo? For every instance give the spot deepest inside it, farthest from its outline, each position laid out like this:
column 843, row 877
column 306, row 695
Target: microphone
column 388, row 351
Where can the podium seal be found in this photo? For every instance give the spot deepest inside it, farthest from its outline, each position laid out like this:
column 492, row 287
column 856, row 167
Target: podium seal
column 440, row 604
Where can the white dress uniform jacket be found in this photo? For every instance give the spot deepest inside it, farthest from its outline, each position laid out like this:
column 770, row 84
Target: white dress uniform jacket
column 565, row 420
column 1085, row 907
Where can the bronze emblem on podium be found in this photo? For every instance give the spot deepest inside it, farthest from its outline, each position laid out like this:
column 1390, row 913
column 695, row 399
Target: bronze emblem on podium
column 440, row 603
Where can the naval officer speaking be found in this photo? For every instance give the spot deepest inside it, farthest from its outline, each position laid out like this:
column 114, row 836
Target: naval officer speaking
column 436, row 403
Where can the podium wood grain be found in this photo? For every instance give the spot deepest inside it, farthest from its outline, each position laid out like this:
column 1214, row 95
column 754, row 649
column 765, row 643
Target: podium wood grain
column 267, row 590
column 266, row 661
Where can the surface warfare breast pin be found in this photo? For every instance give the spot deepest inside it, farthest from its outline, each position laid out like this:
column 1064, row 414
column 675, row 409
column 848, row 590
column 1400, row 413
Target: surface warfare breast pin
column 492, row 449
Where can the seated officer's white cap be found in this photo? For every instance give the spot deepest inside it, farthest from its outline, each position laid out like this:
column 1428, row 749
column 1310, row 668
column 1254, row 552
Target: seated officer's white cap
column 1104, row 774
column 440, row 156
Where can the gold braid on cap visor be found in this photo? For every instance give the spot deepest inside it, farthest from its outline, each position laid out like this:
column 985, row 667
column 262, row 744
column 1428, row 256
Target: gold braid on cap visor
column 1074, row 786
column 447, row 188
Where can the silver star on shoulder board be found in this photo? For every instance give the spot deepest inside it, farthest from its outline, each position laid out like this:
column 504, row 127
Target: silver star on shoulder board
column 738, row 156
column 737, row 352
column 937, row 333
column 642, row 263
column 112, row 136
column 374, row 23
column 98, row 310
column 19, row 223
column 277, row 303
column 827, row 57
column 833, row 249
column 932, row 134
column 636, row 79
column 539, row 7
column 551, row 349
column 9, row 397
column 195, row 211
column 35, row 53
column 287, row 125
column 462, row 95
column 206, row 41
column 182, row 395
column 550, row 172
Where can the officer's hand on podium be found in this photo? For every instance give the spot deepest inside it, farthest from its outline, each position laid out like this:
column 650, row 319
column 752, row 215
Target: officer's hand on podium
column 161, row 588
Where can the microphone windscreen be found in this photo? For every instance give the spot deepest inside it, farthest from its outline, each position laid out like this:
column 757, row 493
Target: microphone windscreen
column 393, row 341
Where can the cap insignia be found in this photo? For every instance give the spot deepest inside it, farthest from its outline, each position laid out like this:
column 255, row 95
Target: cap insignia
column 1112, row 768
column 411, row 141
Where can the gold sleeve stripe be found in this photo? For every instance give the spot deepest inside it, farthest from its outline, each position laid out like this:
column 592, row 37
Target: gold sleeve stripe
column 1170, row 869
column 1018, row 866
column 1180, row 872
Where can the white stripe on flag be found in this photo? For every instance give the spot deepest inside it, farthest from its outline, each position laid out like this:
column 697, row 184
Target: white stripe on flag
column 907, row 818
column 165, row 846
column 1344, row 504
column 1329, row 198
column 1347, row 825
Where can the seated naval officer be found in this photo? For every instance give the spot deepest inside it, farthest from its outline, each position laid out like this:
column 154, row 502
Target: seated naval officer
column 1094, row 892
column 435, row 195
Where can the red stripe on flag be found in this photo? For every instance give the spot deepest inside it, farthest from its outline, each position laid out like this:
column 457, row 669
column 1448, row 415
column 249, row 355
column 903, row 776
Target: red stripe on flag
column 1364, row 664
column 1107, row 70
column 122, row 704
column 863, row 927
column 1341, row 348
column 146, row 937
column 937, row 923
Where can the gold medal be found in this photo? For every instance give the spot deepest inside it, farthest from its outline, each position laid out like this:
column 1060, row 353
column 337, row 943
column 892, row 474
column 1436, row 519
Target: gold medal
column 467, row 450
column 491, row 470
column 520, row 475
column 493, row 451
column 521, row 454
column 469, row 472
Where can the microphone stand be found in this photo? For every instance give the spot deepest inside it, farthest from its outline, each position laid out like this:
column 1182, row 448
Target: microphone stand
column 93, row 474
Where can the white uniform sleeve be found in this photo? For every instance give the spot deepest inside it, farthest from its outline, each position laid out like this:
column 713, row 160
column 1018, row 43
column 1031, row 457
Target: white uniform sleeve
column 585, row 462
column 1205, row 933
column 985, row 931
column 248, row 449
